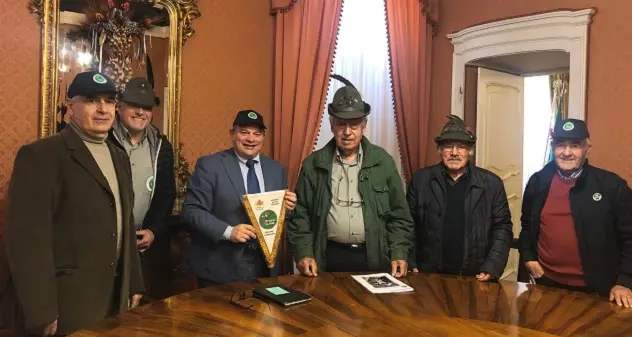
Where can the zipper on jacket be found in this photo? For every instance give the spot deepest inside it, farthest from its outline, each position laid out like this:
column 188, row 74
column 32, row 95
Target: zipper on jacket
column 466, row 227
column 151, row 197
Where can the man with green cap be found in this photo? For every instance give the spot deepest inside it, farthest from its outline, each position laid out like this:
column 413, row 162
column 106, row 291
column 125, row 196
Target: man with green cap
column 577, row 221
column 351, row 214
column 462, row 218
column 70, row 231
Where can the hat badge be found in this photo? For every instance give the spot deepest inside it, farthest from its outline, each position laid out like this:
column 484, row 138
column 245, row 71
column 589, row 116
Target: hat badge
column 597, row 196
column 568, row 126
column 346, row 101
column 98, row 78
column 252, row 115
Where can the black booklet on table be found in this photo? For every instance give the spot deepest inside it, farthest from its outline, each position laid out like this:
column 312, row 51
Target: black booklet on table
column 282, row 295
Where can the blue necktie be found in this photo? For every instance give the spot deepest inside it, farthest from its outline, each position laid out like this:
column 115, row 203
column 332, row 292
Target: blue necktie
column 251, row 178
column 253, row 187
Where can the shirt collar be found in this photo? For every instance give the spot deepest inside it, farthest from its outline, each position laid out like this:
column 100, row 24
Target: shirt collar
column 243, row 160
column 358, row 158
column 573, row 175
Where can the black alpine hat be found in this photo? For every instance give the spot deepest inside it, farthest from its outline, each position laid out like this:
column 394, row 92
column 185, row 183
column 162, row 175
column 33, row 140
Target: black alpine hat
column 455, row 129
column 347, row 102
column 138, row 92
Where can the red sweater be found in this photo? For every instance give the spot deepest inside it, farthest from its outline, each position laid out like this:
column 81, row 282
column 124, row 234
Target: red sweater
column 558, row 252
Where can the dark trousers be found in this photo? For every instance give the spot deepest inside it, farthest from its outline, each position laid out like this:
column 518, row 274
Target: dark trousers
column 115, row 301
column 204, row 283
column 252, row 266
column 457, row 271
column 341, row 257
column 545, row 281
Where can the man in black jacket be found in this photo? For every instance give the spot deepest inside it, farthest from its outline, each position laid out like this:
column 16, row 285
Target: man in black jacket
column 461, row 214
column 577, row 221
column 151, row 157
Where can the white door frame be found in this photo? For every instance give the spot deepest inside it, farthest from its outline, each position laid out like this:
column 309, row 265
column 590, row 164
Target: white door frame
column 559, row 30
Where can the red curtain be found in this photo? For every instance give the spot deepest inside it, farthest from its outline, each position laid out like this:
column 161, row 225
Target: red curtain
column 410, row 30
column 305, row 40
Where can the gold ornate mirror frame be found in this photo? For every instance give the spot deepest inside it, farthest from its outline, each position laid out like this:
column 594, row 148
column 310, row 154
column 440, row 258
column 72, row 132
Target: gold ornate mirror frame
column 181, row 16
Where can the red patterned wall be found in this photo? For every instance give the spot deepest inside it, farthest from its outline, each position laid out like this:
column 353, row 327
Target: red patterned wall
column 19, row 85
column 227, row 67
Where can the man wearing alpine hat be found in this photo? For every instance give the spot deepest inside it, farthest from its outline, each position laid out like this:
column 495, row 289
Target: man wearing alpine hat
column 151, row 157
column 577, row 221
column 351, row 214
column 462, row 218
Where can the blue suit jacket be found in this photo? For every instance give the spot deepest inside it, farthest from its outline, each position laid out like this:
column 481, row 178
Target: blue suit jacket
column 212, row 202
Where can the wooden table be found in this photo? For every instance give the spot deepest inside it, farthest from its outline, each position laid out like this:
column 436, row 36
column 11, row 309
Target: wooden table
column 440, row 306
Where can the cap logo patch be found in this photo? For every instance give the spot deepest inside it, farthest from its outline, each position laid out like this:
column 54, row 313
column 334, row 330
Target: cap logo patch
column 568, row 126
column 99, row 79
column 149, row 183
column 252, row 115
column 597, row 196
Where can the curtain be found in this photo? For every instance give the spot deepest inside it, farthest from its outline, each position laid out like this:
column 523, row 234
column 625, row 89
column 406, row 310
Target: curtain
column 305, row 37
column 410, row 26
column 362, row 58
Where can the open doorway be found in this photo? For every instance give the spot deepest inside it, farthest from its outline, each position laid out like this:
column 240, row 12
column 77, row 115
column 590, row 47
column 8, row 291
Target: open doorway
column 509, row 101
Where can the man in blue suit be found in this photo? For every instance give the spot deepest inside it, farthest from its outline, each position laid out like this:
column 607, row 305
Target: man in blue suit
column 224, row 247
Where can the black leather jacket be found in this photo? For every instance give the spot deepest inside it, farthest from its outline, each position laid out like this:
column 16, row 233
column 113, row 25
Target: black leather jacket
column 488, row 224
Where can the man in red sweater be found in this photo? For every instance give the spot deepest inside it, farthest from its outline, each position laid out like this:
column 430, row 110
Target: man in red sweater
column 577, row 221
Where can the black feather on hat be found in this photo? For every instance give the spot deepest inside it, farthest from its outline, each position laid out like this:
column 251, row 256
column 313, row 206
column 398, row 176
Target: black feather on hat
column 150, row 78
column 347, row 102
column 343, row 80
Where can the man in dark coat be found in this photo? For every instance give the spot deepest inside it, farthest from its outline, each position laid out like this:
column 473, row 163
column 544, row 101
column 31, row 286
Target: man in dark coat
column 577, row 221
column 70, row 230
column 462, row 218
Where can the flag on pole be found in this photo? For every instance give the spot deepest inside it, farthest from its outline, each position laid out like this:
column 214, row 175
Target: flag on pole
column 557, row 112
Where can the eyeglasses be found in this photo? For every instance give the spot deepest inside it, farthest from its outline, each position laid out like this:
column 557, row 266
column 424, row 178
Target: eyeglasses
column 346, row 203
column 353, row 126
column 245, row 295
column 451, row 147
column 241, row 296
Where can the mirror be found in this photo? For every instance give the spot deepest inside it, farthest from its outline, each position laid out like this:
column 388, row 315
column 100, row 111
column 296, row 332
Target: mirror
column 123, row 39
column 145, row 53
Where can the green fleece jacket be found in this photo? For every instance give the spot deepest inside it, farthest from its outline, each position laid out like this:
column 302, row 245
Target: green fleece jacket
column 387, row 220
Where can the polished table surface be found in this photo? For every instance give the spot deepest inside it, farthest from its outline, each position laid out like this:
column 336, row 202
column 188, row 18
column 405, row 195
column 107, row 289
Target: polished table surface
column 440, row 306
